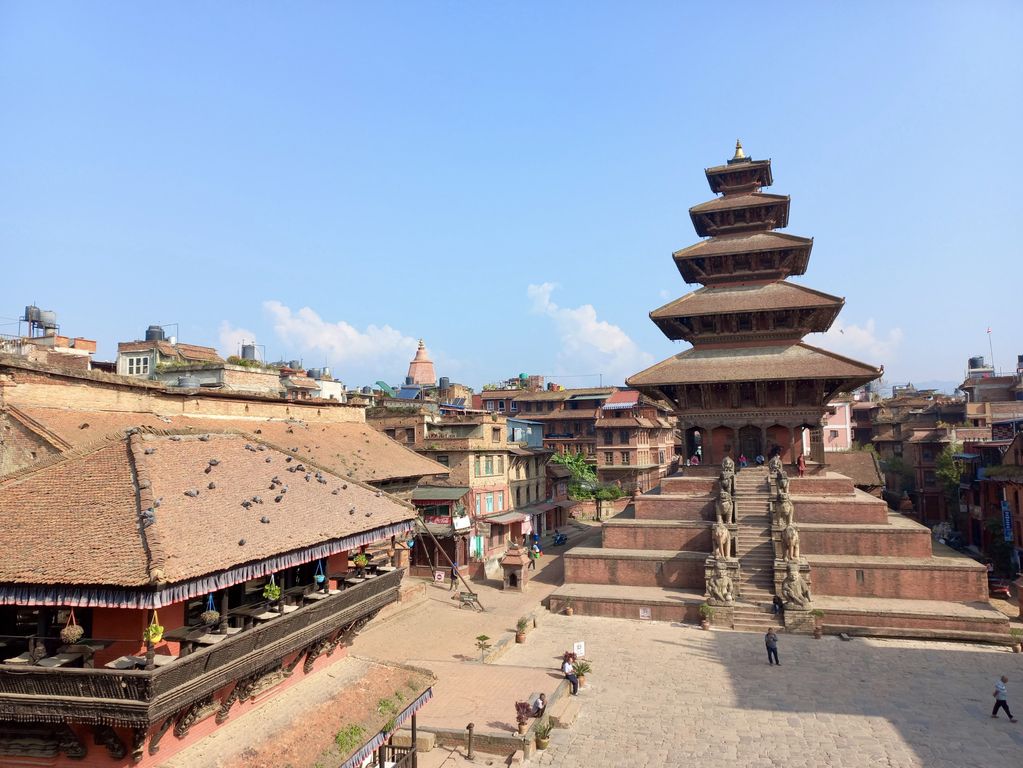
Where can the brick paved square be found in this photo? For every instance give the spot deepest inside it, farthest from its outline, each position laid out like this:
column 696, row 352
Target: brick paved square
column 664, row 695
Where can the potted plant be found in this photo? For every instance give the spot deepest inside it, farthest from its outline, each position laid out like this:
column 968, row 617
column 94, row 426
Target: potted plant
column 361, row 561
column 569, row 610
column 1017, row 639
column 271, row 591
column 483, row 643
column 319, row 577
column 72, row 632
column 706, row 614
column 817, row 614
column 543, row 734
column 582, row 669
column 520, row 629
column 523, row 709
column 211, row 615
column 153, row 634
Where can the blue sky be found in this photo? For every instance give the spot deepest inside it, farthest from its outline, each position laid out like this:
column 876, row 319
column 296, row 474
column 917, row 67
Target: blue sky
column 506, row 180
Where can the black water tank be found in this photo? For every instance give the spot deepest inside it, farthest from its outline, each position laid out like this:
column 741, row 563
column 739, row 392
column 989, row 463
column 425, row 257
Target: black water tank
column 155, row 333
column 976, row 362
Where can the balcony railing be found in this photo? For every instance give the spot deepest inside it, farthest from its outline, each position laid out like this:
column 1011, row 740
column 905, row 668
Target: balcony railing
column 141, row 697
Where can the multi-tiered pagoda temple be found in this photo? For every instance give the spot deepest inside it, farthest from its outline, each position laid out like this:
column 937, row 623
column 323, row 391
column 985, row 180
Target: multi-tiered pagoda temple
column 709, row 543
column 749, row 384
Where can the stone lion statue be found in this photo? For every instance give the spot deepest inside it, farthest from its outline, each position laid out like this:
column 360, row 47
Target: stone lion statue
column 795, row 591
column 722, row 541
column 790, row 539
column 782, row 481
column 784, row 512
column 774, row 465
column 725, row 508
column 726, row 482
column 728, row 465
column 719, row 586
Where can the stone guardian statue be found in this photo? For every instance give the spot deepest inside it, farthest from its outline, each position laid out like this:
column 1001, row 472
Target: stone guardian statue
column 725, row 508
column 790, row 539
column 784, row 512
column 722, row 541
column 794, row 590
column 720, row 587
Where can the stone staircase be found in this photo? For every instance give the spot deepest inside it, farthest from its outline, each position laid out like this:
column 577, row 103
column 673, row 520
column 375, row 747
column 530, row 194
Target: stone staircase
column 754, row 618
column 753, row 545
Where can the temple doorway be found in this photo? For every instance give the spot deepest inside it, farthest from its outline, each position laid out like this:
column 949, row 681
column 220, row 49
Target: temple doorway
column 694, row 443
column 750, row 444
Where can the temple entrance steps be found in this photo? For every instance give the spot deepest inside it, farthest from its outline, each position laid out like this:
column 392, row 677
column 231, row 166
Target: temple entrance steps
column 753, row 544
column 754, row 618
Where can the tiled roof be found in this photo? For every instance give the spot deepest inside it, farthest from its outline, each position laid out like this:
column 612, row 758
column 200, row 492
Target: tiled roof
column 860, row 466
column 186, row 351
column 300, row 382
column 744, row 243
column 349, row 449
column 747, row 298
column 623, row 398
column 739, row 201
column 77, row 521
column 795, row 361
column 564, row 394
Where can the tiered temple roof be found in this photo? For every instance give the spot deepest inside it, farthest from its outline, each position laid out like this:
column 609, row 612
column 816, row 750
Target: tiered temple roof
column 746, row 325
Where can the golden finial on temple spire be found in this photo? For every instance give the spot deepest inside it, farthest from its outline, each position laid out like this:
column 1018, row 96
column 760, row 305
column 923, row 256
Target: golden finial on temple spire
column 739, row 154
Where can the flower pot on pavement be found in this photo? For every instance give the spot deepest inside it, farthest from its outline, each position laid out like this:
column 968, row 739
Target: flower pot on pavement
column 520, row 637
column 522, row 728
column 543, row 743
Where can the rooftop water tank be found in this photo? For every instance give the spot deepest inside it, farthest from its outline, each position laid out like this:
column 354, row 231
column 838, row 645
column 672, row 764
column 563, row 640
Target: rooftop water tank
column 314, row 373
column 523, row 377
column 48, row 319
column 155, row 333
column 32, row 314
column 367, row 390
column 295, row 365
column 189, row 382
column 445, row 382
column 976, row 362
column 248, row 351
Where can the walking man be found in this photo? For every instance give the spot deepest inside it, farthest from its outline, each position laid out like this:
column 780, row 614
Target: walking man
column 532, row 557
column 771, row 641
column 1001, row 699
column 454, row 576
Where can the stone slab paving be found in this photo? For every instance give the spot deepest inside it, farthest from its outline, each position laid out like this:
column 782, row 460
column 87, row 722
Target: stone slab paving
column 666, row 695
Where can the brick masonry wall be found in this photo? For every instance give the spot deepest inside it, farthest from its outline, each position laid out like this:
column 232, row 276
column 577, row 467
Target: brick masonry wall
column 19, row 446
column 622, row 609
column 695, row 484
column 863, row 509
column 897, row 581
column 678, row 572
column 674, row 507
column 33, row 389
column 693, row 539
column 890, row 542
column 913, row 621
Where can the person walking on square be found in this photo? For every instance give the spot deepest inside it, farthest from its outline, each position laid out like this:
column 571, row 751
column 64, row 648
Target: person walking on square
column 533, row 554
column 1001, row 699
column 771, row 641
column 454, row 576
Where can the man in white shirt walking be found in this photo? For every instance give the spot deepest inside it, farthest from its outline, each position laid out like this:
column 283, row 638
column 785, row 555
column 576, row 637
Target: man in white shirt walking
column 1001, row 696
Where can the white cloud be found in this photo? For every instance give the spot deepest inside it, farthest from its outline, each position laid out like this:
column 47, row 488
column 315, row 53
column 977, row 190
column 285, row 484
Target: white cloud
column 380, row 350
column 588, row 342
column 862, row 341
column 231, row 339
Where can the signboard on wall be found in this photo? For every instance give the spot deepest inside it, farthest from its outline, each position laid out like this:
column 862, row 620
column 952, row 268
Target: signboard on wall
column 437, row 519
column 1006, row 521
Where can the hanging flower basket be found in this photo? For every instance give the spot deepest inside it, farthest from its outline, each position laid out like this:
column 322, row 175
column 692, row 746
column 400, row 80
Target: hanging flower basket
column 72, row 632
column 211, row 615
column 271, row 591
column 154, row 632
column 320, row 576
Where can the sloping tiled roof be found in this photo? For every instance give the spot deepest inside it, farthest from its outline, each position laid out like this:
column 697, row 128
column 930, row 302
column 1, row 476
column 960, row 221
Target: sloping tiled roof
column 744, row 243
column 77, row 521
column 738, row 201
column 860, row 466
column 564, row 394
column 747, row 298
column 795, row 361
column 349, row 449
column 186, row 351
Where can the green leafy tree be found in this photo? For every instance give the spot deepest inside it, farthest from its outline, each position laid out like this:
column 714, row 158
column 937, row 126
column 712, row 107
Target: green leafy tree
column 949, row 470
column 584, row 476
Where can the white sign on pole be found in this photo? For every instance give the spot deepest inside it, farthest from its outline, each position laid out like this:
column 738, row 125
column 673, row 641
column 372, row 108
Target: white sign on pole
column 644, row 613
column 438, row 576
column 579, row 649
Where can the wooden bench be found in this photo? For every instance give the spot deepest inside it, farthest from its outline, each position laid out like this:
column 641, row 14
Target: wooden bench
column 469, row 599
